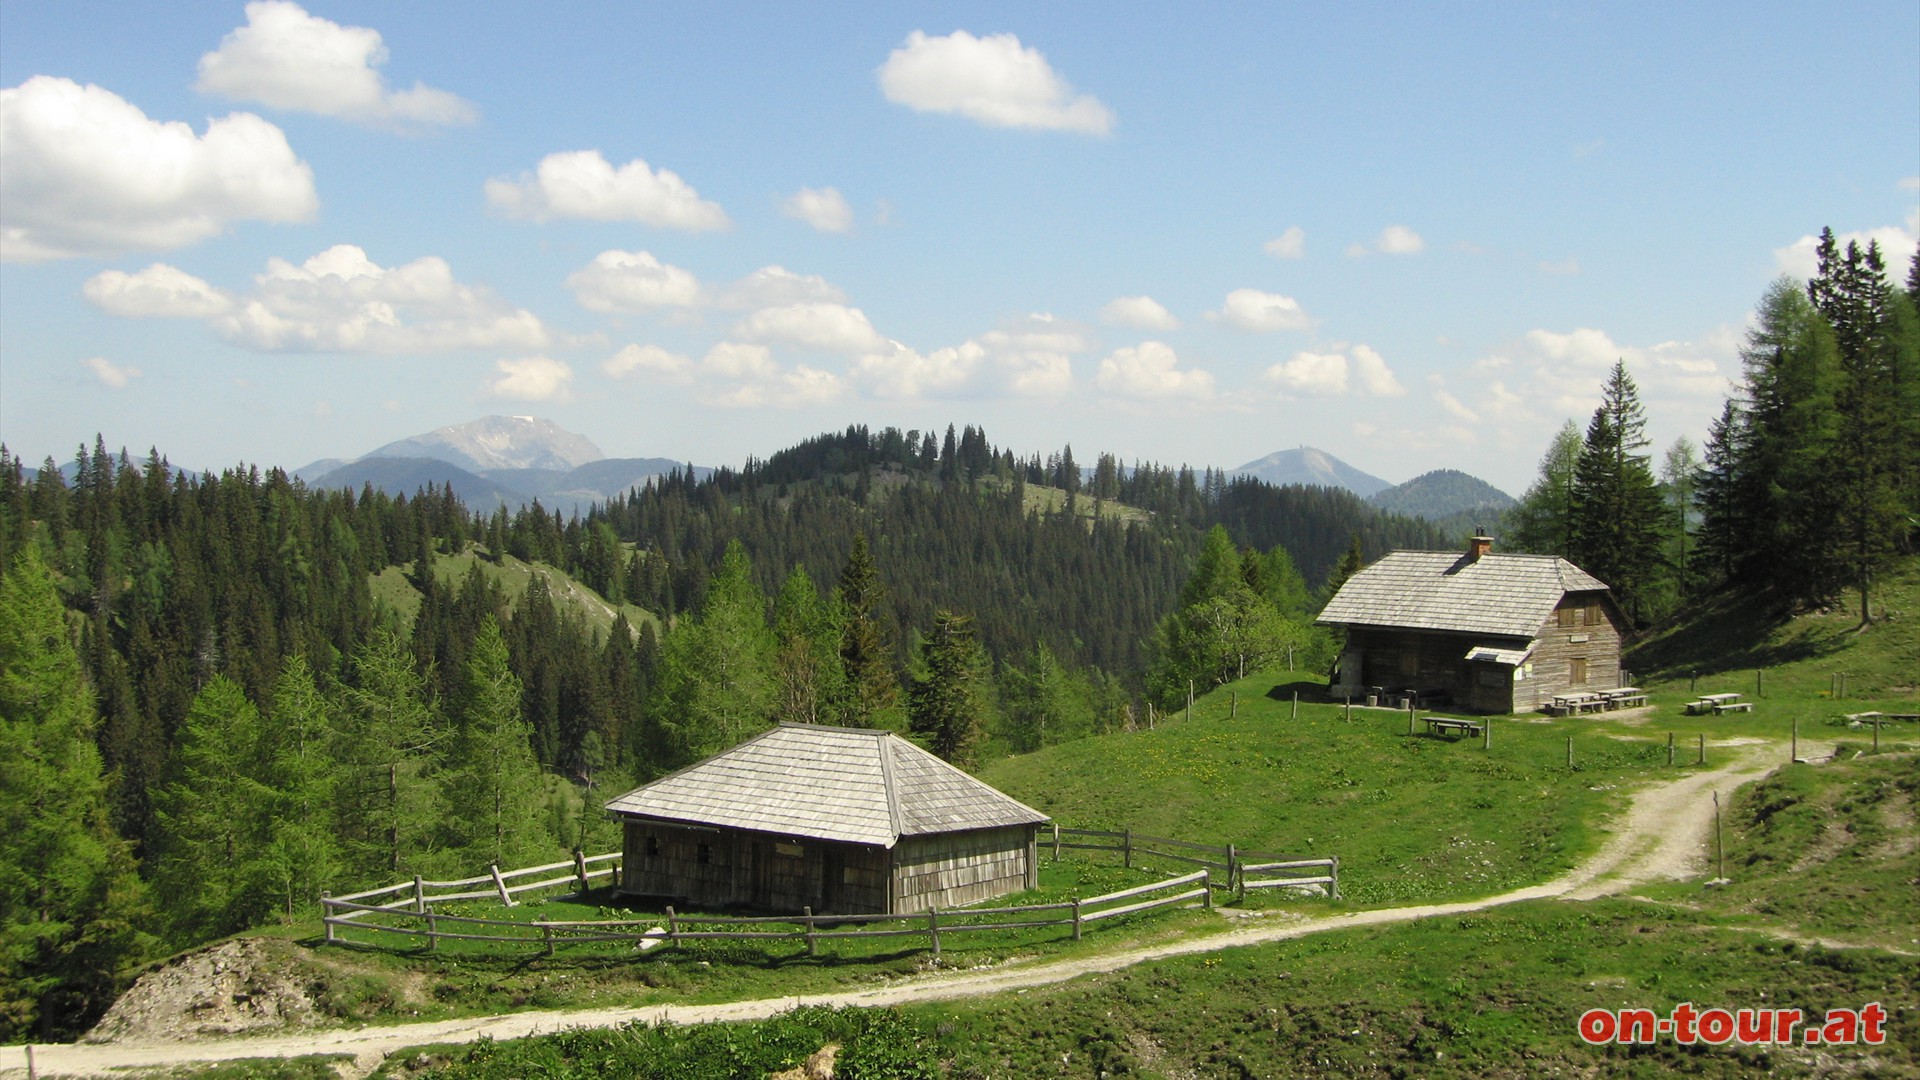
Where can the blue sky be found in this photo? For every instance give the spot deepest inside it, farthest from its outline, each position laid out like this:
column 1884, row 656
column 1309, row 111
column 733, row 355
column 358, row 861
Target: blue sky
column 1413, row 235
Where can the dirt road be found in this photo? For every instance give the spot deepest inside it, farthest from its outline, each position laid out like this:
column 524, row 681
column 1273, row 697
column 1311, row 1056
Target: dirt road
column 1664, row 834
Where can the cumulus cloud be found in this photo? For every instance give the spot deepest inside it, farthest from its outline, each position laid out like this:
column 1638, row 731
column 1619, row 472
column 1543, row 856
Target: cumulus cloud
column 158, row 292
column 739, row 360
column 1139, row 312
column 1801, row 258
column 1548, row 375
column 649, row 361
column 825, row 209
column 1291, row 244
column 820, row 326
column 1150, row 371
column 337, row 301
column 625, row 281
column 536, row 378
column 285, row 58
column 1262, row 312
column 993, row 80
column 84, row 172
column 896, row 371
column 582, row 184
column 776, row 286
column 110, row 374
column 1355, row 370
column 1393, row 240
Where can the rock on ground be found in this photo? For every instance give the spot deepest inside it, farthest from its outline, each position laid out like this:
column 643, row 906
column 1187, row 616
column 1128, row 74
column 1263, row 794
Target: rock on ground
column 231, row 988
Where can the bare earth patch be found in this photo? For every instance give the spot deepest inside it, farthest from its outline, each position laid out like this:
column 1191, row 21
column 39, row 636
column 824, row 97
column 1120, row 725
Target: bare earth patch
column 233, row 988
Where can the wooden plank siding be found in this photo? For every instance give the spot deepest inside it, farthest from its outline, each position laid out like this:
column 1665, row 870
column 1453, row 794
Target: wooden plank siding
column 730, row 868
column 951, row 869
column 1584, row 626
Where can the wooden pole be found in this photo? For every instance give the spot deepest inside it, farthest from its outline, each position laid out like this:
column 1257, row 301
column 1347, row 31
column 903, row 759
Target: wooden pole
column 433, row 932
column 1206, row 886
column 546, row 932
column 1719, row 839
column 1233, row 865
column 506, row 898
column 1334, row 873
column 933, row 930
column 1189, row 701
column 673, row 927
column 1703, row 749
column 1669, row 748
column 326, row 912
column 1128, row 834
column 1692, row 677
column 419, row 894
column 1876, row 734
column 1349, row 708
column 1411, row 709
column 1486, row 734
column 1076, row 918
column 806, row 914
column 1759, row 682
column 580, row 869
column 1233, row 704
column 1056, row 841
column 1569, row 751
column 1794, row 755
column 1296, row 706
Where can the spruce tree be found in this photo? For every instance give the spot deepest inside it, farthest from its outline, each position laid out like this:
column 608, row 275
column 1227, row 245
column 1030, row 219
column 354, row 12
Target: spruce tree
column 1617, row 512
column 947, row 705
column 866, row 651
column 1542, row 522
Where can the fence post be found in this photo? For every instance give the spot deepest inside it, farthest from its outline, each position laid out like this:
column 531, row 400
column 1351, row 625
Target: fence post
column 1233, row 704
column 1703, row 749
column 1128, row 841
column 1569, row 751
column 1669, row 748
column 933, row 930
column 1076, row 919
column 580, row 869
column 673, row 927
column 546, row 932
column 506, row 898
column 326, row 912
column 1056, row 841
column 806, row 914
column 419, row 894
column 1189, row 701
column 1486, row 734
column 1296, row 706
column 1794, row 754
column 1335, row 875
column 1233, row 865
column 1206, row 883
column 433, row 931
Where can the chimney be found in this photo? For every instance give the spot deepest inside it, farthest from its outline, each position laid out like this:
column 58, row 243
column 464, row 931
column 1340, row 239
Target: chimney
column 1479, row 543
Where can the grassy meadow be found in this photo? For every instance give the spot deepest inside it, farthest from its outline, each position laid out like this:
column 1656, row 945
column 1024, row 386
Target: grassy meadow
column 392, row 589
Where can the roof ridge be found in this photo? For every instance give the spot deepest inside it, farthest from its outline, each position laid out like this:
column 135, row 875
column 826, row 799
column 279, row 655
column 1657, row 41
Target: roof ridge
column 875, row 732
column 894, row 816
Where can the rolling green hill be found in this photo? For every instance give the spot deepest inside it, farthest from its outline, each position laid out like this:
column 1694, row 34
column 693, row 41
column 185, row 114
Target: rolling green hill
column 391, row 588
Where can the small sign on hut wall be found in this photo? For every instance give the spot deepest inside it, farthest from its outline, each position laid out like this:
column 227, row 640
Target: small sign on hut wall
column 794, row 850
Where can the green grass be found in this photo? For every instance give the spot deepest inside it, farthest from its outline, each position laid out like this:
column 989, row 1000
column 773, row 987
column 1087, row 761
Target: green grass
column 1823, row 850
column 1411, row 818
column 391, row 588
column 1495, row 994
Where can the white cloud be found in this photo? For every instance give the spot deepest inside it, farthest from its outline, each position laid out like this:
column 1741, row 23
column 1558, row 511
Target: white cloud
column 1149, row 372
column 993, row 79
column 1565, row 268
column 1335, row 374
column 109, row 373
column 1140, row 312
column 776, row 286
column 1548, row 376
column 1039, row 332
column 739, row 360
column 651, row 360
column 822, row 326
column 537, row 378
column 1291, row 244
column 1262, row 312
column 1323, row 374
column 623, row 281
column 825, row 209
column 581, row 184
column 1801, row 258
column 84, row 172
column 1910, row 183
column 285, row 58
column 1454, row 407
column 1399, row 240
column 1039, row 375
column 337, row 301
column 158, row 292
column 895, row 371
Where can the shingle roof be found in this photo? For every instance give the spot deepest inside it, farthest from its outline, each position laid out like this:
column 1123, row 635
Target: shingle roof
column 1497, row 595
column 827, row 783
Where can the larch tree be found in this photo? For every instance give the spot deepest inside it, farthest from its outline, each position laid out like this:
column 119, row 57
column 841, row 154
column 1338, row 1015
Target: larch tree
column 1542, row 521
column 211, row 865
column 302, row 855
column 494, row 789
column 390, row 742
column 716, row 684
column 69, row 896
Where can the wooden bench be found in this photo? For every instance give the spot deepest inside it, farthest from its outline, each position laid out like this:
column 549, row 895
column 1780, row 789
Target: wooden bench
column 1626, row 701
column 1447, row 725
column 1731, row 706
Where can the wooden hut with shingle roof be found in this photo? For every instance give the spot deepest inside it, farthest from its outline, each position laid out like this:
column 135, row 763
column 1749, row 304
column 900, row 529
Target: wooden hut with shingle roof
column 1487, row 632
column 842, row 820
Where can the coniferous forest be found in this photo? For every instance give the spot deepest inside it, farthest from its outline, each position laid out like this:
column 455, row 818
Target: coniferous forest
column 211, row 714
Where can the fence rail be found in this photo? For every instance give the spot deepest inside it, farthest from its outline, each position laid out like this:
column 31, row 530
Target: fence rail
column 408, row 908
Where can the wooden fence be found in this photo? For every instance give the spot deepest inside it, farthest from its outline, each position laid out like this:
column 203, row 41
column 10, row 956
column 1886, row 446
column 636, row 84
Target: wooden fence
column 407, row 908
column 1240, row 869
column 416, row 918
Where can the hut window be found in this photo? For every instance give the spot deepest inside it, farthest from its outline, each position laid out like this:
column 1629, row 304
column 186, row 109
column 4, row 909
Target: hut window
column 706, row 850
column 1566, row 615
column 653, row 847
column 1577, row 670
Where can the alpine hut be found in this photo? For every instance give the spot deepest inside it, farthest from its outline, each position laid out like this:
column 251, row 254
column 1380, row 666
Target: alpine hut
column 842, row 820
column 1489, row 632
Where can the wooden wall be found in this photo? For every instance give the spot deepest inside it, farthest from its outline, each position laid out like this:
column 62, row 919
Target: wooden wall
column 727, row 868
column 952, row 869
column 1594, row 635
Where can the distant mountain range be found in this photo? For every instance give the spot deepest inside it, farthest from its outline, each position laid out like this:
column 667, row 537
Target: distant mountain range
column 1310, row 466
column 496, row 460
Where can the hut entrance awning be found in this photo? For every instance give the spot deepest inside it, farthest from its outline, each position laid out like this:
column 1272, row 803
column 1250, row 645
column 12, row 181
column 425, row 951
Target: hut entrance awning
column 1495, row 654
column 852, row 785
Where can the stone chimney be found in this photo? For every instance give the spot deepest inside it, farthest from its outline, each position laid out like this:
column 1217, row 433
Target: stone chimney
column 1479, row 543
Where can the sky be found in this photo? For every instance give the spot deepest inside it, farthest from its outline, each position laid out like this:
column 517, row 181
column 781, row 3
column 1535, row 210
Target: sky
column 1416, row 236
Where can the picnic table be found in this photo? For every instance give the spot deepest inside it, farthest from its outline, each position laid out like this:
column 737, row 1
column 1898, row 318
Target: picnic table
column 1448, row 725
column 1717, row 704
column 1584, row 701
column 1624, row 697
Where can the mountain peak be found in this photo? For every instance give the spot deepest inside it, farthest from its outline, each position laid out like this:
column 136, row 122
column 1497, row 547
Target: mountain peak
column 1309, row 465
column 499, row 442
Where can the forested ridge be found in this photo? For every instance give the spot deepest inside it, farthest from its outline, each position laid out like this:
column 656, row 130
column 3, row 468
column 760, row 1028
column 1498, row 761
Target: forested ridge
column 243, row 722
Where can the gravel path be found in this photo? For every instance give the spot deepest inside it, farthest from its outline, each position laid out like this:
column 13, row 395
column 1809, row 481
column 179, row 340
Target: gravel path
column 1665, row 834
